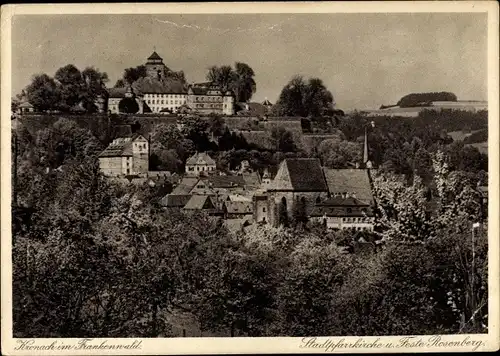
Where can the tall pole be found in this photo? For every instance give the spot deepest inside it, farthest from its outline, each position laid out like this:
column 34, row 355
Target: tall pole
column 472, row 277
column 15, row 169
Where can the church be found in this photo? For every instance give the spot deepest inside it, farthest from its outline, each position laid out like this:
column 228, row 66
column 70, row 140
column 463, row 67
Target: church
column 159, row 93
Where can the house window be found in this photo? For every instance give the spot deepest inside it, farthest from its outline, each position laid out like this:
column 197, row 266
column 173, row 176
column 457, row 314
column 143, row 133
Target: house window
column 128, row 170
column 264, row 209
column 191, row 169
column 349, row 210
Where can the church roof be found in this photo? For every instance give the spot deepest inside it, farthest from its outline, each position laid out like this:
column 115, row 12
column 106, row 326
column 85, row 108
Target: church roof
column 339, row 201
column 353, row 181
column 154, row 56
column 300, row 175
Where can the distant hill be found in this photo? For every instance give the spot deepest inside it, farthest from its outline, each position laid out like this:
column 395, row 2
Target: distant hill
column 420, row 99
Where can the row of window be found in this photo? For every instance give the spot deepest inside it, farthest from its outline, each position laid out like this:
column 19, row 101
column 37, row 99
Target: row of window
column 202, row 168
column 357, row 220
column 177, row 96
column 213, row 106
column 172, row 102
column 210, row 98
column 158, row 109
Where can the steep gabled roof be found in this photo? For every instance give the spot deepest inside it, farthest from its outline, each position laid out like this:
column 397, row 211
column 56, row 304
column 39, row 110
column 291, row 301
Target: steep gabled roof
column 185, row 186
column 155, row 56
column 201, row 158
column 200, row 202
column 300, row 175
column 355, row 181
column 175, row 201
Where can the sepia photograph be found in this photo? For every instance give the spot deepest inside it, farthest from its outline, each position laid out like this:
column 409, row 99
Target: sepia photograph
column 180, row 174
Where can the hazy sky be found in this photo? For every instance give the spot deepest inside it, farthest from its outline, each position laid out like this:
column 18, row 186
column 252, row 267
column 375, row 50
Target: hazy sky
column 365, row 60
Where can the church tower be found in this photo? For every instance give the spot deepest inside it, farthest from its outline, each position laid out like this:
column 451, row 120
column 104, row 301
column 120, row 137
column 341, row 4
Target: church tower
column 155, row 67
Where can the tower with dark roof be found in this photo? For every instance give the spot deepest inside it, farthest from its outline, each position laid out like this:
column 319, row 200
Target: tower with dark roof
column 155, row 67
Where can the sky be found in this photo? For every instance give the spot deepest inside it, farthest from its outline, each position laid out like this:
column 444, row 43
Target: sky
column 365, row 60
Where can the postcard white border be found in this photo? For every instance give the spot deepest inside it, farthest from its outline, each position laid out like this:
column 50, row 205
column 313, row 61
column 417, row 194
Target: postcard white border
column 253, row 345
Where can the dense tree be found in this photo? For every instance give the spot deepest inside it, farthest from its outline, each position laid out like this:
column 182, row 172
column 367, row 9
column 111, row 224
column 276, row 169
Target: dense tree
column 71, row 86
column 244, row 85
column 128, row 106
column 239, row 80
column 301, row 98
column 43, row 93
column 130, row 75
column 338, row 153
column 283, row 140
column 120, row 83
column 222, row 76
column 94, row 83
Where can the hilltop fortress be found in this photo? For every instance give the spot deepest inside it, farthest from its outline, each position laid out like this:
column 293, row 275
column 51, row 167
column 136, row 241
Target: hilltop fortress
column 155, row 94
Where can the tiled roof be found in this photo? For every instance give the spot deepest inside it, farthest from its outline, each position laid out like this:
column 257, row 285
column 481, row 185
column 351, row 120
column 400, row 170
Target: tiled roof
column 185, row 186
column 251, row 179
column 149, row 85
column 154, row 56
column 239, row 207
column 301, row 175
column 121, row 146
column 200, row 202
column 355, row 181
column 206, row 88
column 200, row 158
column 253, row 109
column 225, row 181
column 342, row 207
column 175, row 200
column 339, row 201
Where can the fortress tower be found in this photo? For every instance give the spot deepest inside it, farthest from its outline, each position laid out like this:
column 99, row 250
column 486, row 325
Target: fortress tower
column 155, row 67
